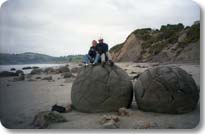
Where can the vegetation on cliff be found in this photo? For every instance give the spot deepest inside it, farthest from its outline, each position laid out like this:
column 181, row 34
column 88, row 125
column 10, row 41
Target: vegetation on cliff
column 154, row 41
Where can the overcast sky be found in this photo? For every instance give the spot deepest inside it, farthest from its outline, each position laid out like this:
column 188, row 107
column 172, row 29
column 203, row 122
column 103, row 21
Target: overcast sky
column 63, row 27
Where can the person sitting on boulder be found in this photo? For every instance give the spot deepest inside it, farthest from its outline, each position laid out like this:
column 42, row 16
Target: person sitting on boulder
column 102, row 53
column 90, row 57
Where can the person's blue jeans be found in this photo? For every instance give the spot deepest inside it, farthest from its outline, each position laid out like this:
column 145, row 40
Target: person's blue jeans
column 86, row 59
column 97, row 58
column 104, row 57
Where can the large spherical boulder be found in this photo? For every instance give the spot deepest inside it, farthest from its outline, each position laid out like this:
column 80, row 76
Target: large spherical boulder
column 98, row 89
column 166, row 89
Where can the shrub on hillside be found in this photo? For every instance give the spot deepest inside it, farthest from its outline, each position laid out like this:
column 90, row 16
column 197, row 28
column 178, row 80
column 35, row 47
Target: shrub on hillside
column 143, row 33
column 193, row 34
column 171, row 30
column 157, row 48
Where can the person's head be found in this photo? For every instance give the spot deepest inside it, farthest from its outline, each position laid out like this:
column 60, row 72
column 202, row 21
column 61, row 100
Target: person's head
column 100, row 40
column 94, row 43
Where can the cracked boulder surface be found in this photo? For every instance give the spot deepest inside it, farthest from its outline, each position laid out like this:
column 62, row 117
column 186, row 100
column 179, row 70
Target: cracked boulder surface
column 98, row 89
column 166, row 89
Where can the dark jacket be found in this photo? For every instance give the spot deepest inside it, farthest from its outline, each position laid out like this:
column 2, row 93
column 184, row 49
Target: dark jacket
column 92, row 52
column 102, row 48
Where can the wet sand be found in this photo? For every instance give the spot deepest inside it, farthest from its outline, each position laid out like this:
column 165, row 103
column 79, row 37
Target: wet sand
column 21, row 101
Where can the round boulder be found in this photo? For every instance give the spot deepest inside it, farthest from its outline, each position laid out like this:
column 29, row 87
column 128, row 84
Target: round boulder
column 67, row 75
column 36, row 71
column 49, row 70
column 19, row 72
column 63, row 69
column 7, row 74
column 101, row 89
column 166, row 89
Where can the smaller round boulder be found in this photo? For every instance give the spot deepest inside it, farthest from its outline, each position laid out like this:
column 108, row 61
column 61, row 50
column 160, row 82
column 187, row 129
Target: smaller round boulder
column 166, row 89
column 36, row 71
column 49, row 70
column 63, row 69
column 67, row 75
column 19, row 72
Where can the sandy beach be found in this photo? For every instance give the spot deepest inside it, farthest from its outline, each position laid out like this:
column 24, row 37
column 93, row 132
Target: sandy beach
column 22, row 100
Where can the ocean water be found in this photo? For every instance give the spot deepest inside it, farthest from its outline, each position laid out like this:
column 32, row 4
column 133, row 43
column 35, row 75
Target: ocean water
column 19, row 67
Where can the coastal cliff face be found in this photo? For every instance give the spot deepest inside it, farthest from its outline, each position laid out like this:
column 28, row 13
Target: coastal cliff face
column 172, row 43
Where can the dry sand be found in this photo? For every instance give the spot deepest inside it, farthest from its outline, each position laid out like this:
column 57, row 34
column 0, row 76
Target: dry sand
column 21, row 101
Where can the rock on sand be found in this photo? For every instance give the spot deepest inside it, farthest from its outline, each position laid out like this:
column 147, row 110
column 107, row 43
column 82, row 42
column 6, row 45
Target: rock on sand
column 98, row 89
column 166, row 89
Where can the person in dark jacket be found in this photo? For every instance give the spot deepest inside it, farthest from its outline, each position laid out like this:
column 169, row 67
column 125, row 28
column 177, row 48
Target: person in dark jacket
column 102, row 53
column 90, row 57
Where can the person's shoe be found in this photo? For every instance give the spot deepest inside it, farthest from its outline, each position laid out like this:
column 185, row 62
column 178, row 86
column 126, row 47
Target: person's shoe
column 111, row 62
column 86, row 64
column 94, row 64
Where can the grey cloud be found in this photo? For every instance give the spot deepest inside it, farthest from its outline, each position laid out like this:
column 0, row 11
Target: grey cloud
column 62, row 27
